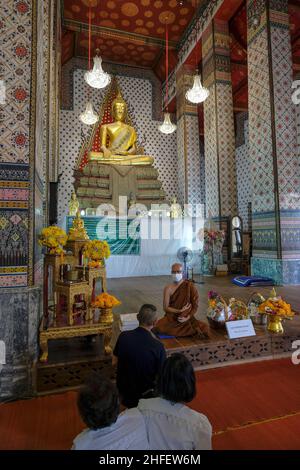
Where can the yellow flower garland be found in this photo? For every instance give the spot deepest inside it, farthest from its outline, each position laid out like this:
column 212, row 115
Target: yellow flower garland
column 96, row 250
column 105, row 300
column 54, row 238
column 276, row 307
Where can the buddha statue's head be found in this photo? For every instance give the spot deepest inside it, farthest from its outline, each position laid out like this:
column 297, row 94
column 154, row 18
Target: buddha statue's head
column 119, row 108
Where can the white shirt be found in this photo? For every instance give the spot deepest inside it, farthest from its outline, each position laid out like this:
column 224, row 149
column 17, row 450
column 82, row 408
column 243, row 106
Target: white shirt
column 173, row 426
column 127, row 433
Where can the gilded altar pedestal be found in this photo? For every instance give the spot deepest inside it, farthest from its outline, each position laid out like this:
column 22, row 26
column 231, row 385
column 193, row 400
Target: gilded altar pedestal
column 87, row 328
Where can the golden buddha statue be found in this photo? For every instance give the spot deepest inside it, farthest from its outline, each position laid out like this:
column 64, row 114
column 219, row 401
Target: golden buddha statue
column 176, row 210
column 73, row 204
column 77, row 231
column 118, row 140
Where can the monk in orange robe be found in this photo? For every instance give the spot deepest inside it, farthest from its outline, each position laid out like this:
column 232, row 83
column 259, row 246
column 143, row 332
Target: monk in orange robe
column 181, row 301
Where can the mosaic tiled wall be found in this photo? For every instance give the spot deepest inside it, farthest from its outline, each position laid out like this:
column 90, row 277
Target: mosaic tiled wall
column 202, row 173
column 24, row 136
column 124, row 70
column 220, row 170
column 193, row 160
column 15, row 53
column 298, row 126
column 180, row 161
column 244, row 183
column 188, row 145
column 273, row 142
column 211, row 157
column 41, row 132
column 138, row 94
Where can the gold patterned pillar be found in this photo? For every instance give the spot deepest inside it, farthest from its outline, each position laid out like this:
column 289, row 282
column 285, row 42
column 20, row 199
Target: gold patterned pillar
column 188, row 145
column 219, row 135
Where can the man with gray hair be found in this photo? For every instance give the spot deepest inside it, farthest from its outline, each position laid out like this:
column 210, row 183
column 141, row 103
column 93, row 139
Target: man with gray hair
column 139, row 357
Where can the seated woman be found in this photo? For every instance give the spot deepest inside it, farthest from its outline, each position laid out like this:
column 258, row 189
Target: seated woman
column 98, row 404
column 170, row 424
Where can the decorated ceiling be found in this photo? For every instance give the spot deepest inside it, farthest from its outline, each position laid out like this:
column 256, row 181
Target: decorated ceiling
column 133, row 33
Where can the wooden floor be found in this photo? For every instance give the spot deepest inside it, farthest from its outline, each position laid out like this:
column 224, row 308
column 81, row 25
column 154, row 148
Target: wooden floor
column 135, row 291
column 71, row 360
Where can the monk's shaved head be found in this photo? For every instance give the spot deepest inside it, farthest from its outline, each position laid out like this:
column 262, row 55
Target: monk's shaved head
column 176, row 267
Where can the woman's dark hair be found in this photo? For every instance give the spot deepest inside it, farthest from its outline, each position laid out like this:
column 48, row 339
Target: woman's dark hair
column 98, row 402
column 177, row 381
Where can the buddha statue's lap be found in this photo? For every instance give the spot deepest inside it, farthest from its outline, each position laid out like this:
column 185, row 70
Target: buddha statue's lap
column 118, row 141
column 121, row 159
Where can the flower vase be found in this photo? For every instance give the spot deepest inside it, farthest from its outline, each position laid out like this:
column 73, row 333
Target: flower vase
column 208, row 261
column 275, row 324
column 106, row 315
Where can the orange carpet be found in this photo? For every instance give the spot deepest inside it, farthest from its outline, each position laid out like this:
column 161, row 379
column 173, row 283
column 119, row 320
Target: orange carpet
column 277, row 434
column 237, row 395
column 251, row 406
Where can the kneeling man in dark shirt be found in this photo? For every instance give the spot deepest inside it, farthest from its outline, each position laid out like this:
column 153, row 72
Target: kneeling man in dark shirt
column 139, row 357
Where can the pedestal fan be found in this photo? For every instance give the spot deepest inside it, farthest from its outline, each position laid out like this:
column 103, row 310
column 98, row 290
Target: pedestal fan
column 185, row 256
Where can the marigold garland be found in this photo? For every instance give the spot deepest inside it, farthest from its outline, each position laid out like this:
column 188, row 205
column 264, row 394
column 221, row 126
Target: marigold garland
column 54, row 238
column 105, row 300
column 96, row 251
column 276, row 306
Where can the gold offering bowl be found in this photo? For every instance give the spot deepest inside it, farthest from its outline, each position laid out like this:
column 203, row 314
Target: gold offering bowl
column 106, row 315
column 72, row 275
column 275, row 324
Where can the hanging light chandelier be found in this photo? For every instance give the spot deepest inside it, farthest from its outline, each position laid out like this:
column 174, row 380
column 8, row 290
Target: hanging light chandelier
column 89, row 117
column 167, row 127
column 96, row 78
column 198, row 93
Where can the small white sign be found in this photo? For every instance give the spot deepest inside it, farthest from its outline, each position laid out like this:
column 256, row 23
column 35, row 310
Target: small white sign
column 240, row 329
column 2, row 353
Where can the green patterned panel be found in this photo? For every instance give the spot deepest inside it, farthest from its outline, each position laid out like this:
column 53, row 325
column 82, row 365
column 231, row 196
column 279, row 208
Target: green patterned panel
column 116, row 231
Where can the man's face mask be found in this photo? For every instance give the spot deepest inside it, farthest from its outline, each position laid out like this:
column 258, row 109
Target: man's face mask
column 177, row 277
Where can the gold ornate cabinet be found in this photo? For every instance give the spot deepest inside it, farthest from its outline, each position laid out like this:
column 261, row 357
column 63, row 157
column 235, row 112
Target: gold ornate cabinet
column 70, row 291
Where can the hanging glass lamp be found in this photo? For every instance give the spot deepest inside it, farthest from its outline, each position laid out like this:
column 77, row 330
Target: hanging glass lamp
column 97, row 78
column 167, row 127
column 89, row 117
column 198, row 93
